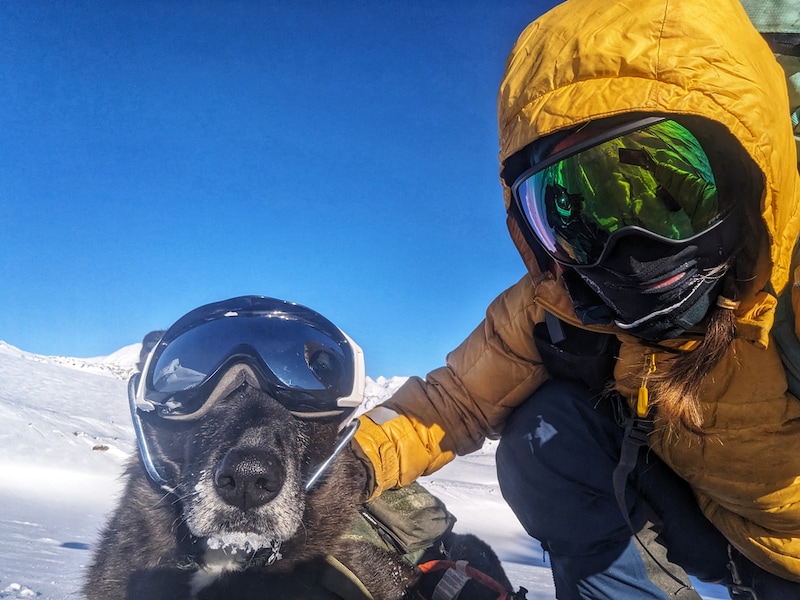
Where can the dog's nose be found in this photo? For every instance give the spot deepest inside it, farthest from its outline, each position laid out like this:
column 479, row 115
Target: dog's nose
column 248, row 478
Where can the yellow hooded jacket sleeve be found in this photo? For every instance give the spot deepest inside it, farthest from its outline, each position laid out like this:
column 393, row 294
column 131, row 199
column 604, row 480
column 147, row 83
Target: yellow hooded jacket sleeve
column 586, row 60
column 427, row 423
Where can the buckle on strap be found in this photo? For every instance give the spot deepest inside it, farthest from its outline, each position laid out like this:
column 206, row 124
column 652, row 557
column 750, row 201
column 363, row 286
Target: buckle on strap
column 638, row 430
column 449, row 586
column 457, row 575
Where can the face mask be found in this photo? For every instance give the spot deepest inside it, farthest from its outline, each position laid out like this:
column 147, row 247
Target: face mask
column 657, row 292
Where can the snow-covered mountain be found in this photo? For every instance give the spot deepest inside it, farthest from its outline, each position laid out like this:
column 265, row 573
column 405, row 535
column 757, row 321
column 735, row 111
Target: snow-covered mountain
column 65, row 433
column 121, row 364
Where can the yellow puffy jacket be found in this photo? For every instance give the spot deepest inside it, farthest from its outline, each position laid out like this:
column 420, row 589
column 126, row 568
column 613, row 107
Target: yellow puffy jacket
column 586, row 60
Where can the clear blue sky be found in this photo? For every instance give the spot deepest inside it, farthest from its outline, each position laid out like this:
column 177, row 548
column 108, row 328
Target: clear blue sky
column 157, row 155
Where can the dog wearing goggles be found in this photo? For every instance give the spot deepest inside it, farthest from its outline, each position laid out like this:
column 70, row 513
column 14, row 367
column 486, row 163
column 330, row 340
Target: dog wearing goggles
column 240, row 488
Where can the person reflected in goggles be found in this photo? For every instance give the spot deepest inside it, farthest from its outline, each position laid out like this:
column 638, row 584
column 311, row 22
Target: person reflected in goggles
column 577, row 236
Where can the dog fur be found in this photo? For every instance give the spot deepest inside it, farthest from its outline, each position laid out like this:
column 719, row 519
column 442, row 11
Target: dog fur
column 197, row 543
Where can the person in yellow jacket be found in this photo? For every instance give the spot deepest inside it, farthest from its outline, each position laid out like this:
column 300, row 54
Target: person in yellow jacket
column 650, row 177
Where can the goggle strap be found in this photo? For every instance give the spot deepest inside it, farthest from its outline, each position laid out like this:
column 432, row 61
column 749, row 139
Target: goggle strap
column 139, row 390
column 310, row 416
column 141, row 439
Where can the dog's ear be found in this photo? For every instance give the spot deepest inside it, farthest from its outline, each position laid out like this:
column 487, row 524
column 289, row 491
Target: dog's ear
column 148, row 343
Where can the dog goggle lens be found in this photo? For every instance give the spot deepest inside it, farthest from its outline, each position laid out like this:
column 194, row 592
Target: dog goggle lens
column 305, row 361
column 651, row 175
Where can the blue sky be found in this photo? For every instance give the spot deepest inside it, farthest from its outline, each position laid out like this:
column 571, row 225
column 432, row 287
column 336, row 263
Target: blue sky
column 157, row 156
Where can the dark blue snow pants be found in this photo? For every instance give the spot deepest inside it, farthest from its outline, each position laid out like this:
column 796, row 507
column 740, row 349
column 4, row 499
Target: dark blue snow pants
column 555, row 463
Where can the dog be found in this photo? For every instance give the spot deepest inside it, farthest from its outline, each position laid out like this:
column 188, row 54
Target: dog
column 240, row 523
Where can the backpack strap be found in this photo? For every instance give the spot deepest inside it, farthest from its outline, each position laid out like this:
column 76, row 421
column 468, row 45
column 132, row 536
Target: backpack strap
column 637, row 432
column 576, row 354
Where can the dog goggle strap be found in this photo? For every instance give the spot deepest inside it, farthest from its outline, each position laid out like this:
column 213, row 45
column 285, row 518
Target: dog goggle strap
column 148, row 460
column 652, row 174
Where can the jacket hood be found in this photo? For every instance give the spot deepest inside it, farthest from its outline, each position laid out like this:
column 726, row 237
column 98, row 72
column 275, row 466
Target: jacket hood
column 586, row 60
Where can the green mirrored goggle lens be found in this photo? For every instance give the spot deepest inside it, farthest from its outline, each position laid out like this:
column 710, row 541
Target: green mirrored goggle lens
column 655, row 177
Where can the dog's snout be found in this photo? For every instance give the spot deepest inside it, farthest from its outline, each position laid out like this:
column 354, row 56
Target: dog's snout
column 249, row 478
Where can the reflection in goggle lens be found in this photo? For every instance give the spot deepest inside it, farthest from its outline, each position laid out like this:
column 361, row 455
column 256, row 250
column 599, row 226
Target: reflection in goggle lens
column 654, row 176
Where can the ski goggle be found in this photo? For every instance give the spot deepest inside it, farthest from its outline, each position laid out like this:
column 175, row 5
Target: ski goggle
column 651, row 176
column 298, row 356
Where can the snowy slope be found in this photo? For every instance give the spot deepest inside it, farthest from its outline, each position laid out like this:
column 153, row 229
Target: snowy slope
column 64, row 434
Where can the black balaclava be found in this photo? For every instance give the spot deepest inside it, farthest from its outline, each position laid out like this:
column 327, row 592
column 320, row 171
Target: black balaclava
column 635, row 279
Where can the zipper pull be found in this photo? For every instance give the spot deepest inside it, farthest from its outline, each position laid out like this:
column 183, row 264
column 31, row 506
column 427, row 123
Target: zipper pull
column 643, row 401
